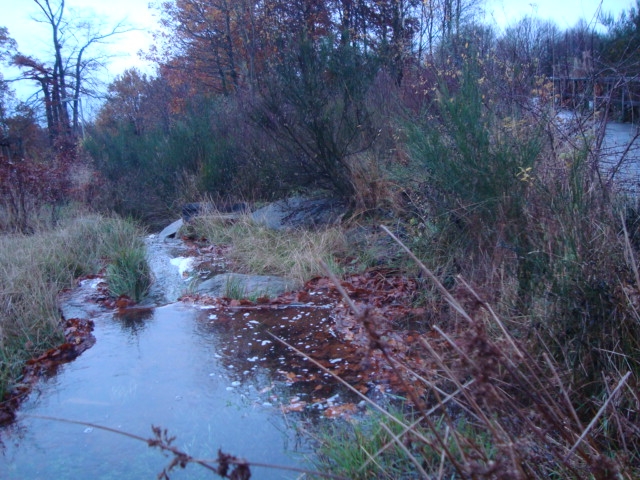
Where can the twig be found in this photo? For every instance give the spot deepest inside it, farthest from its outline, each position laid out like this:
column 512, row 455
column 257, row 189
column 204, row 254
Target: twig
column 340, row 288
column 445, row 293
column 174, row 450
column 494, row 316
column 629, row 252
column 442, row 454
column 405, row 450
column 343, row 382
column 600, row 412
column 616, row 416
column 148, row 441
column 410, row 427
column 565, row 395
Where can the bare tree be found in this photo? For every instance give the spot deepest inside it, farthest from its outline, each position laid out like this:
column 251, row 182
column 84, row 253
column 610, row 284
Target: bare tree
column 63, row 81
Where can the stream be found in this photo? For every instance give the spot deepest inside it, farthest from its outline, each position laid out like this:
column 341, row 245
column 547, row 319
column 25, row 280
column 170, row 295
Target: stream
column 213, row 376
column 205, row 375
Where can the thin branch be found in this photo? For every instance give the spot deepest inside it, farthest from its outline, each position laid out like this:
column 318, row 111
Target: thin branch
column 622, row 381
column 174, row 450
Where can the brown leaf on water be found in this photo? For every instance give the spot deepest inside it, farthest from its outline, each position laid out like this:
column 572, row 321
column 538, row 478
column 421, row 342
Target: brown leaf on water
column 362, row 388
column 297, row 406
column 340, row 410
column 123, row 302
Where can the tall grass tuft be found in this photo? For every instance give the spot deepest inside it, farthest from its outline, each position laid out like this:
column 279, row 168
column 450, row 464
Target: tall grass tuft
column 128, row 273
column 259, row 250
column 34, row 268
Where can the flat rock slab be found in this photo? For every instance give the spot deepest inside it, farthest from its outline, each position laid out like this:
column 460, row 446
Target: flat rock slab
column 171, row 230
column 238, row 285
column 297, row 212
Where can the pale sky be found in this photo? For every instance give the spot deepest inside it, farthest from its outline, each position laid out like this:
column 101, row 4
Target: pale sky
column 34, row 38
column 565, row 13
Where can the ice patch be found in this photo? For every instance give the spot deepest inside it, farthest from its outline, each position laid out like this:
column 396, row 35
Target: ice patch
column 183, row 263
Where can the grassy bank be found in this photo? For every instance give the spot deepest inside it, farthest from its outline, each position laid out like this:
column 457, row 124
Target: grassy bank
column 263, row 251
column 34, row 268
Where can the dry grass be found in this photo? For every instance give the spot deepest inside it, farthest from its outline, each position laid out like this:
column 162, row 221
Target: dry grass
column 497, row 411
column 259, row 250
column 34, row 268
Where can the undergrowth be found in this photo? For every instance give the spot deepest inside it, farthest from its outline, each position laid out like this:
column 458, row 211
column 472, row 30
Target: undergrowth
column 496, row 409
column 528, row 261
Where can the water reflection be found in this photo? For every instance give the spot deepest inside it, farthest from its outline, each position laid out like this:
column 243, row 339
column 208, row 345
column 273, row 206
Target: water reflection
column 173, row 375
column 134, row 320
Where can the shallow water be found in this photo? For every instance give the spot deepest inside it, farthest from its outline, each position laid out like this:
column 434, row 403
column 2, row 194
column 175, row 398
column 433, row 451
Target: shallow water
column 172, row 366
column 163, row 370
column 621, row 153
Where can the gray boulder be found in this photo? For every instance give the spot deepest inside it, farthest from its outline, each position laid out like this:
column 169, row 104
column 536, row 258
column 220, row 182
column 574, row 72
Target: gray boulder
column 237, row 285
column 171, row 230
column 297, row 212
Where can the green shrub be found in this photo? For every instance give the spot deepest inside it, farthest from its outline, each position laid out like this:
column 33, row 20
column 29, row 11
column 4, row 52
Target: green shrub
column 315, row 111
column 528, row 221
column 147, row 174
column 477, row 162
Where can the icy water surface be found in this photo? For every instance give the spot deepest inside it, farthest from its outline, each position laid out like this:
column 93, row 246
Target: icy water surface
column 172, row 366
column 621, row 155
column 163, row 370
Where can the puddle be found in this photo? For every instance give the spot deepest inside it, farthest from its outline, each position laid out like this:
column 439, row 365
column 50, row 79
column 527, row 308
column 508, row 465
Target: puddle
column 246, row 349
column 165, row 366
column 166, row 369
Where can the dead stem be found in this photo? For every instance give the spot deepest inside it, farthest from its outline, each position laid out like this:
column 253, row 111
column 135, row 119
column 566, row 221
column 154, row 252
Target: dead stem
column 622, row 381
column 346, row 384
column 403, row 447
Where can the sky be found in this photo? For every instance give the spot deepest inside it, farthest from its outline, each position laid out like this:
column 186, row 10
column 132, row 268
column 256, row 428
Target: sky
column 34, row 38
column 565, row 13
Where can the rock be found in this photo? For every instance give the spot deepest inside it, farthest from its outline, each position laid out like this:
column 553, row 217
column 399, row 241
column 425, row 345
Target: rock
column 298, row 212
column 190, row 210
column 171, row 230
column 237, row 285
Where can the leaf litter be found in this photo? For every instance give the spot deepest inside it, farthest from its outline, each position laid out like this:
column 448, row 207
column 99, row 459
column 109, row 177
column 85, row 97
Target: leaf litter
column 317, row 322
